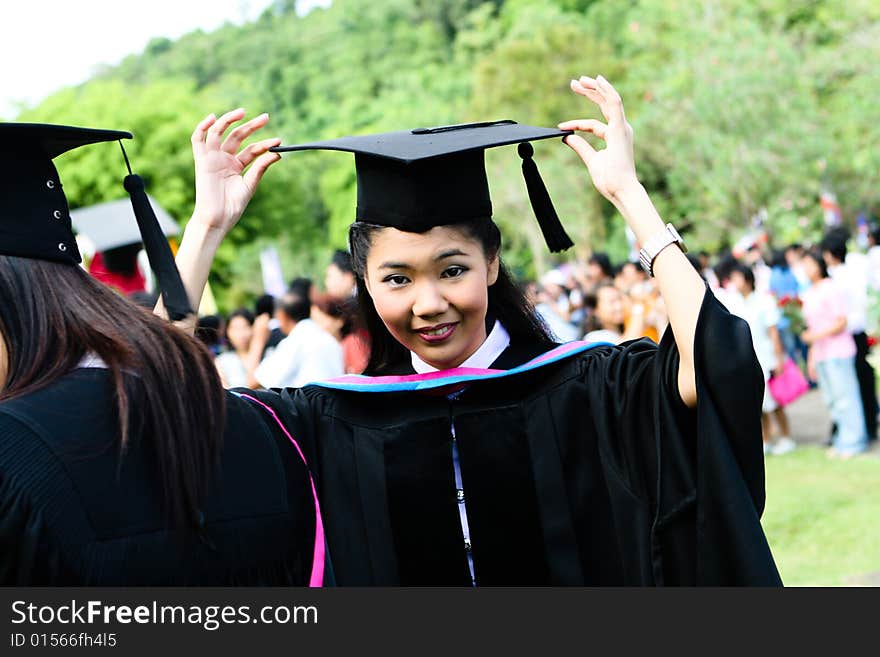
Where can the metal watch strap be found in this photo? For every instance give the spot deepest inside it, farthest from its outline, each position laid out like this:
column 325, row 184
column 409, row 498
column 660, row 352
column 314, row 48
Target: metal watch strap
column 652, row 248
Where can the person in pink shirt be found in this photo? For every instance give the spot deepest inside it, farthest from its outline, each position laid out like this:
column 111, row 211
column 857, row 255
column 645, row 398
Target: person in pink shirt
column 831, row 359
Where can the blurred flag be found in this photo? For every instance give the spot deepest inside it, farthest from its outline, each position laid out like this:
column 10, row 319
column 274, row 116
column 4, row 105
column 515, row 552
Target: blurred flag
column 273, row 278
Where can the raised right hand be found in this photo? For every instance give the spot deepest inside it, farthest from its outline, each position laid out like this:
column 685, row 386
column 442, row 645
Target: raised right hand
column 223, row 187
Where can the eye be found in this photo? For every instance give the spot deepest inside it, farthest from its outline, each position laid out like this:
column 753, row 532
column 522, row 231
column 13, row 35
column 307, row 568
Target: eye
column 454, row 271
column 395, row 280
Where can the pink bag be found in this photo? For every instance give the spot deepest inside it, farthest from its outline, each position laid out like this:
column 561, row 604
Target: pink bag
column 789, row 385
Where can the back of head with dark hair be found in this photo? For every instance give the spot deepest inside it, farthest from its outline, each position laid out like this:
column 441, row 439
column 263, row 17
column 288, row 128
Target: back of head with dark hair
column 507, row 302
column 301, row 287
column 724, row 266
column 778, row 259
column 342, row 260
column 296, row 306
column 208, row 329
column 834, row 243
column 265, row 305
column 165, row 383
column 344, row 309
column 603, row 262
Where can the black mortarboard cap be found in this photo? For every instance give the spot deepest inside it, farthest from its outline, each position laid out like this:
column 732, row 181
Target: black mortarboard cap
column 414, row 180
column 34, row 214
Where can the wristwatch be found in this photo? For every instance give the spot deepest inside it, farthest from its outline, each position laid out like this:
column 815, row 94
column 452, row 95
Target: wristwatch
column 652, row 248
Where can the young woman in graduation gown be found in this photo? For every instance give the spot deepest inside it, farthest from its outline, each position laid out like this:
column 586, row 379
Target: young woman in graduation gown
column 478, row 452
column 122, row 459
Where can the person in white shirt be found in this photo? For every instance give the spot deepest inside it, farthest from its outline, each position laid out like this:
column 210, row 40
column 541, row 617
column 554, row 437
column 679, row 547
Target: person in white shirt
column 851, row 272
column 233, row 364
column 760, row 311
column 307, row 354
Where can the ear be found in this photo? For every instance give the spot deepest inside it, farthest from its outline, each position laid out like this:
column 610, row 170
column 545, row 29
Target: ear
column 492, row 273
column 367, row 282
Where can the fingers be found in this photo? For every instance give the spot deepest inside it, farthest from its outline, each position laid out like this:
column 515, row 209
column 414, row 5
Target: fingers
column 258, row 148
column 580, row 146
column 601, row 92
column 198, row 135
column 255, row 173
column 235, row 138
column 586, row 125
column 586, row 86
column 215, row 132
column 612, row 98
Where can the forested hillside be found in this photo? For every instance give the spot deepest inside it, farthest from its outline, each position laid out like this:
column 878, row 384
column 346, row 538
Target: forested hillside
column 737, row 108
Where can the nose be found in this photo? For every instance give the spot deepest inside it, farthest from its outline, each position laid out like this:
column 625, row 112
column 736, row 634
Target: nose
column 429, row 301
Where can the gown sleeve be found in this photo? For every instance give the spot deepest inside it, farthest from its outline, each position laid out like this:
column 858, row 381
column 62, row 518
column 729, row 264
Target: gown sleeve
column 701, row 469
column 287, row 413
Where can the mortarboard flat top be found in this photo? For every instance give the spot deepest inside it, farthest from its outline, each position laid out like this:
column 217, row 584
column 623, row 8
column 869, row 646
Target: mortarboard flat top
column 414, row 180
column 409, row 146
column 54, row 140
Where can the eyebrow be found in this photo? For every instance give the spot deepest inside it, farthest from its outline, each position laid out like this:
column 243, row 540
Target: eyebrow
column 451, row 253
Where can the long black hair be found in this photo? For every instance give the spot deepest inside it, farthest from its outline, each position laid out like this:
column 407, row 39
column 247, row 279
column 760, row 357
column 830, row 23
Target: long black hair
column 166, row 388
column 507, row 303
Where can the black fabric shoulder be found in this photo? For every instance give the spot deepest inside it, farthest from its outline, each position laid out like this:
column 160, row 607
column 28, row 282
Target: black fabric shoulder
column 32, row 554
column 87, row 516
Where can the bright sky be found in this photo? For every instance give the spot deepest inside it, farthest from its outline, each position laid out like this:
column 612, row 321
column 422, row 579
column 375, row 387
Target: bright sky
column 49, row 44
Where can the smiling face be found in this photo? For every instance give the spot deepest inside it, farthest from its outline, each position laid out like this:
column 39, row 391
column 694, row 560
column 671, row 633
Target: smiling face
column 431, row 291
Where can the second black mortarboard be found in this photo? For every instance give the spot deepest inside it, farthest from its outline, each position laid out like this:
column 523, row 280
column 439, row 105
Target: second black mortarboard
column 34, row 214
column 414, row 180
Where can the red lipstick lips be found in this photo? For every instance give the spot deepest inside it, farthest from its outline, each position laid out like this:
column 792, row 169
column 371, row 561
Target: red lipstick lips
column 438, row 333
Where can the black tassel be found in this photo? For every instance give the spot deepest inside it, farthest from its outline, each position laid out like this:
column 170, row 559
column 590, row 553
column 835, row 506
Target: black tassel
column 158, row 250
column 554, row 234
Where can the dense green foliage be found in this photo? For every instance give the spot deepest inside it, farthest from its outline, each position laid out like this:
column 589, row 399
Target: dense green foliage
column 737, row 107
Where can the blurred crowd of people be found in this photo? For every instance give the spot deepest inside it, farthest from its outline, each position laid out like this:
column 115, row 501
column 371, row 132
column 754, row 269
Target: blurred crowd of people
column 305, row 335
column 807, row 306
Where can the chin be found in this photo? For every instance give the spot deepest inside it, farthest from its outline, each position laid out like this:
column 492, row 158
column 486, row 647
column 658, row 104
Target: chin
column 440, row 360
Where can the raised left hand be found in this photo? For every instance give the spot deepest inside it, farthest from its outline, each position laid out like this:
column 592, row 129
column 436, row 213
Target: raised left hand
column 612, row 169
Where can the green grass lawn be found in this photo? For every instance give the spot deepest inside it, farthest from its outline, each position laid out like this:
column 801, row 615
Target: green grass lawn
column 822, row 517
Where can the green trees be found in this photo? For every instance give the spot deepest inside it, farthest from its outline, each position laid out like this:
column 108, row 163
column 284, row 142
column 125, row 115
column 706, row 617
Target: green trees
column 738, row 108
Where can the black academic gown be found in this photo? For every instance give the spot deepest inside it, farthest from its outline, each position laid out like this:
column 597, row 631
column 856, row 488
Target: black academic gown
column 72, row 514
column 589, row 471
